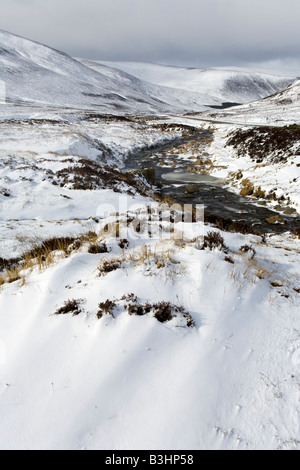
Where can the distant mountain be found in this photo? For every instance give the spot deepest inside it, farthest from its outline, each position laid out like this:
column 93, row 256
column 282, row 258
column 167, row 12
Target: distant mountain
column 35, row 74
column 38, row 76
column 239, row 85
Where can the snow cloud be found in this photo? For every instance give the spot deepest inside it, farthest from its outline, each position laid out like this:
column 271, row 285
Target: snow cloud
column 195, row 32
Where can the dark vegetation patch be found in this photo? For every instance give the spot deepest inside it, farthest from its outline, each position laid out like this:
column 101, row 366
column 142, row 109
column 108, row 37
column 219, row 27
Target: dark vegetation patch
column 124, row 244
column 36, row 122
column 96, row 249
column 296, row 232
column 267, row 144
column 214, row 240
column 9, row 263
column 96, row 117
column 108, row 266
column 228, row 225
column 184, row 128
column 88, row 175
column 106, row 308
column 70, row 307
column 137, row 309
column 276, row 284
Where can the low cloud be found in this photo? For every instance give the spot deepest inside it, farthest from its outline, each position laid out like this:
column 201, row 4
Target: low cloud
column 195, row 32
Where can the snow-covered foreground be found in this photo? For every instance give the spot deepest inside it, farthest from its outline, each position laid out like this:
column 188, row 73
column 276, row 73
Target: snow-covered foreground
column 231, row 381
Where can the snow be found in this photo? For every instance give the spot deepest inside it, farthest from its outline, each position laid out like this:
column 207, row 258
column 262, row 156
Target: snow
column 284, row 176
column 39, row 76
column 131, row 382
column 231, row 380
column 221, row 84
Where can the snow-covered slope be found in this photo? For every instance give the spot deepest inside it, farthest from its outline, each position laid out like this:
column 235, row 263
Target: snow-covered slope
column 38, row 75
column 232, row 84
column 127, row 381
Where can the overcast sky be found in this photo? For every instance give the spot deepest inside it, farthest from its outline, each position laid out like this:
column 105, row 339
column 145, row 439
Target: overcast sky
column 180, row 32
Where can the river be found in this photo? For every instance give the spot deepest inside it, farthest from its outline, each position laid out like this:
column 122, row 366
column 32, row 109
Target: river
column 191, row 188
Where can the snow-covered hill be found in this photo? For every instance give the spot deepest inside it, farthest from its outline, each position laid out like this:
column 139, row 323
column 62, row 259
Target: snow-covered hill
column 38, row 75
column 232, row 84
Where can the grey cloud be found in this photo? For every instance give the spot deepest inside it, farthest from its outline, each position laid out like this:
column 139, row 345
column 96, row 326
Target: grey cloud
column 193, row 32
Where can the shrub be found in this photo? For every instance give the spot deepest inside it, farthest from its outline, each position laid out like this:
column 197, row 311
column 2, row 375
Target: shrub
column 248, row 188
column 108, row 266
column 259, row 193
column 71, row 306
column 296, row 232
column 139, row 309
column 274, row 144
column 214, row 240
column 163, row 312
column 124, row 244
column 106, row 308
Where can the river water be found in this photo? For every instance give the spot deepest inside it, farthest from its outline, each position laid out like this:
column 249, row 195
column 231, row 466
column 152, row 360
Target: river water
column 190, row 188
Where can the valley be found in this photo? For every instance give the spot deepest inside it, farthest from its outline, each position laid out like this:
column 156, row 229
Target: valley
column 125, row 320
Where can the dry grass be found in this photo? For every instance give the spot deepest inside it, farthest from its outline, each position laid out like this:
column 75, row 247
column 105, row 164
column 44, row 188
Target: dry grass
column 42, row 255
column 12, row 275
column 159, row 256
